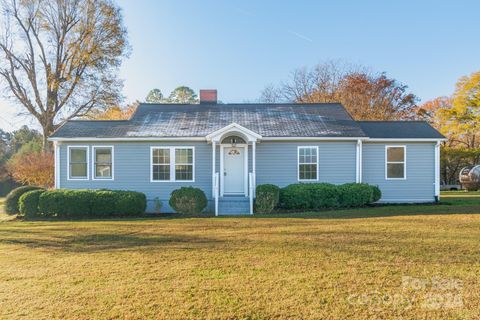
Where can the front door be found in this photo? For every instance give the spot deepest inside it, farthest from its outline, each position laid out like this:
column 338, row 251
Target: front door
column 234, row 170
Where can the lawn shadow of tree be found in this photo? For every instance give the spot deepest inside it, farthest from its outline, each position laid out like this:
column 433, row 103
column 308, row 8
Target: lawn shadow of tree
column 99, row 242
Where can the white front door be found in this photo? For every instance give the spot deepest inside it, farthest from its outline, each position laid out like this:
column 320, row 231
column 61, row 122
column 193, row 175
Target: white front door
column 234, row 170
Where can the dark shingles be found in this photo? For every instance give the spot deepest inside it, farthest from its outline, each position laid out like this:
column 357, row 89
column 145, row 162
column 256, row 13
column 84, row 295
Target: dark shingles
column 268, row 120
column 399, row 130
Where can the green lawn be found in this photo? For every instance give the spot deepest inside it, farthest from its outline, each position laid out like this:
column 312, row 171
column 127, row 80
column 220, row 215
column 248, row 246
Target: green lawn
column 392, row 262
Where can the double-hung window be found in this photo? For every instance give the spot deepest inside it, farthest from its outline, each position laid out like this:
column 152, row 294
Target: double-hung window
column 395, row 160
column 183, row 164
column 307, row 163
column 103, row 162
column 172, row 164
column 77, row 163
column 161, row 164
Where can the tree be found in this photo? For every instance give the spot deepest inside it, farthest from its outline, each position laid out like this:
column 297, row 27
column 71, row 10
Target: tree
column 183, row 95
column 458, row 118
column 32, row 168
column 5, row 138
column 114, row 112
column 463, row 118
column 24, row 136
column 61, row 57
column 154, row 96
column 375, row 97
column 366, row 95
column 270, row 94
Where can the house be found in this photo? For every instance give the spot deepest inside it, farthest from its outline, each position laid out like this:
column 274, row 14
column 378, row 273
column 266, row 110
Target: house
column 228, row 149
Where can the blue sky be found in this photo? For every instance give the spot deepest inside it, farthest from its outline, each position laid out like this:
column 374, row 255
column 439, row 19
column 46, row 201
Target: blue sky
column 239, row 47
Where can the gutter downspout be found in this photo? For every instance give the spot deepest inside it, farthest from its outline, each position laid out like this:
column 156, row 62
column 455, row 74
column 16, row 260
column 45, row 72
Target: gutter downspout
column 437, row 171
column 358, row 177
column 56, row 171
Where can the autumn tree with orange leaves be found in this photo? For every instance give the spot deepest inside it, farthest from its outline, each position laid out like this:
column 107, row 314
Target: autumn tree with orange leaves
column 33, row 168
column 457, row 118
column 365, row 95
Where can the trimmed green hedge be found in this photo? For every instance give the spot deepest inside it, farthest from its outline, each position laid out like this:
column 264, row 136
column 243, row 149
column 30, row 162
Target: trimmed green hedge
column 267, row 197
column 355, row 194
column 28, row 203
column 188, row 200
column 376, row 194
column 91, row 203
column 315, row 196
column 11, row 202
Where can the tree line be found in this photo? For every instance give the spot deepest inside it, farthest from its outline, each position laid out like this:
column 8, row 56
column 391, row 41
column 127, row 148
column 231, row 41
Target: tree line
column 23, row 161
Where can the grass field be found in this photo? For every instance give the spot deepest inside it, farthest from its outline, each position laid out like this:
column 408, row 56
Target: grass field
column 393, row 262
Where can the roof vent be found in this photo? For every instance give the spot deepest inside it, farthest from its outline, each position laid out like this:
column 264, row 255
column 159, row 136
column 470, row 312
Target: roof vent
column 208, row 96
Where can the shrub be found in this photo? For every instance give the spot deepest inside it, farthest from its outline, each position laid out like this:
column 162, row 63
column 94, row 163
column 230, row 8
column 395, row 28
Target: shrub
column 310, row 196
column 103, row 203
column 295, row 196
column 28, row 202
column 66, row 203
column 355, row 194
column 314, row 196
column 267, row 198
column 11, row 202
column 157, row 204
column 130, row 203
column 91, row 203
column 376, row 194
column 323, row 195
column 188, row 200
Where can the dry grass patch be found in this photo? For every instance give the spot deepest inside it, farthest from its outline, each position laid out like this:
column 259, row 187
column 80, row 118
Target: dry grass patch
column 243, row 268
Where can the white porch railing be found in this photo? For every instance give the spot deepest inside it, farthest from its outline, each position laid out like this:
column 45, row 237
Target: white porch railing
column 250, row 190
column 216, row 191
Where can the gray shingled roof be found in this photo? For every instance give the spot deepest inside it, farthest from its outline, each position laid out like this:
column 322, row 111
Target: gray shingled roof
column 199, row 120
column 399, row 130
column 268, row 120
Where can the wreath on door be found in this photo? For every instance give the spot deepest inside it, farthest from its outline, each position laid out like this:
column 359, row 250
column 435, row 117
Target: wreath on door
column 234, row 152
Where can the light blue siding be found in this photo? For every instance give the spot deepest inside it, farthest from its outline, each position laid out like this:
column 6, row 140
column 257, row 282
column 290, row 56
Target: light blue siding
column 277, row 162
column 420, row 172
column 132, row 170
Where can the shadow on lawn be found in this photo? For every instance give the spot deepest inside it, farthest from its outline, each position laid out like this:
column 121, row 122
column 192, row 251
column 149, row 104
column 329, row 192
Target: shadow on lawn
column 91, row 243
column 374, row 212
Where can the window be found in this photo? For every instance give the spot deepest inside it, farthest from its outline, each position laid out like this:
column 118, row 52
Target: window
column 102, row 163
column 183, row 164
column 395, row 162
column 78, row 163
column 307, row 163
column 172, row 164
column 161, row 164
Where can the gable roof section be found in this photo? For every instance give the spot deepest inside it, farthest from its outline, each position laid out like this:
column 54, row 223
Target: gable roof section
column 195, row 120
column 176, row 121
column 399, row 130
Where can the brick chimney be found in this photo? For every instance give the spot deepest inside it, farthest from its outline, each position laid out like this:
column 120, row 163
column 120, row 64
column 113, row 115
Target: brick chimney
column 208, row 96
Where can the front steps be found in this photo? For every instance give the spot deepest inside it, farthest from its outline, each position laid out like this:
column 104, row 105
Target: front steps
column 233, row 205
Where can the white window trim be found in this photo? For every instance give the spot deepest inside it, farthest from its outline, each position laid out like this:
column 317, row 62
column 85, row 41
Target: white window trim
column 172, row 163
column 298, row 163
column 94, row 156
column 68, row 163
column 404, row 162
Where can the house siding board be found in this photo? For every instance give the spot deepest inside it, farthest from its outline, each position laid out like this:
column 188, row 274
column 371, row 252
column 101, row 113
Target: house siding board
column 420, row 176
column 132, row 171
column 277, row 162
